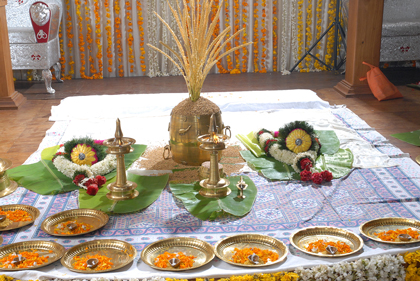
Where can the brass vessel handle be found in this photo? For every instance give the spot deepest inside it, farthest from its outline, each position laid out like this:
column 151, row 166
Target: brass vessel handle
column 167, row 149
column 227, row 128
column 184, row 131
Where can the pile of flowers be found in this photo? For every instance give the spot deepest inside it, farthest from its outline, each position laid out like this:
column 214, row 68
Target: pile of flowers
column 297, row 145
column 85, row 161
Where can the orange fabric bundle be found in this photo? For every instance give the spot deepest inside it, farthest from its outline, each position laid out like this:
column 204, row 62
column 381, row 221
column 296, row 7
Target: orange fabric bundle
column 380, row 86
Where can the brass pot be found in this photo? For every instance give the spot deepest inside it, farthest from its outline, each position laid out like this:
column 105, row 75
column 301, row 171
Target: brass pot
column 183, row 133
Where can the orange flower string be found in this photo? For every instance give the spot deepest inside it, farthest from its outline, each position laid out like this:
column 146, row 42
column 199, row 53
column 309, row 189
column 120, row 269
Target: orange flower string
column 17, row 215
column 241, row 256
column 130, row 38
column 117, row 25
column 392, row 235
column 318, row 27
column 321, row 246
column 29, row 259
column 263, row 37
column 300, row 31
column 98, row 40
column 141, row 36
column 89, row 40
column 330, row 34
column 256, row 36
column 108, row 29
column 237, row 52
column 62, row 58
column 69, row 35
column 103, row 264
column 162, row 260
column 244, row 35
column 308, row 33
column 228, row 44
column 275, row 38
column 216, row 32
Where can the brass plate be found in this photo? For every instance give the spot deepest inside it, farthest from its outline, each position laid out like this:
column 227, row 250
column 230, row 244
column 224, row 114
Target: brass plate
column 418, row 159
column 122, row 253
column 95, row 218
column 301, row 239
column 190, row 246
column 224, row 249
column 34, row 212
column 42, row 247
column 385, row 224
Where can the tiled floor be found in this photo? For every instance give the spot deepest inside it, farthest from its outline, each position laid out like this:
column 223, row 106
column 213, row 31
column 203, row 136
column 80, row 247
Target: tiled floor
column 22, row 130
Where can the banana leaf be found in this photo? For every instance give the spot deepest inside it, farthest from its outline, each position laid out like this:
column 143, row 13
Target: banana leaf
column 410, row 137
column 43, row 178
column 251, row 143
column 149, row 188
column 339, row 164
column 210, row 208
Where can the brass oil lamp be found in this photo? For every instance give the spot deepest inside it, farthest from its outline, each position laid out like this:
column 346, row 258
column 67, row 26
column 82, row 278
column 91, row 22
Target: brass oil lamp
column 121, row 189
column 214, row 186
column 7, row 186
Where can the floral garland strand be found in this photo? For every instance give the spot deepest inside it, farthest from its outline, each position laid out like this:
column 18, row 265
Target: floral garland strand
column 237, row 38
column 89, row 40
column 69, row 35
column 141, row 36
column 62, row 58
column 118, row 35
column 98, row 40
column 216, row 32
column 108, row 29
column 263, row 38
column 318, row 27
column 130, row 38
column 275, row 38
column 308, row 34
column 300, row 32
column 228, row 44
column 244, row 36
column 256, row 36
column 330, row 34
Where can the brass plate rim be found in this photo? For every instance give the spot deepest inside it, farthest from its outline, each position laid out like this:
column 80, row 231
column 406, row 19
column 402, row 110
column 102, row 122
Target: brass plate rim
column 144, row 259
column 351, row 233
column 418, row 159
column 88, row 243
column 48, row 219
column 27, row 245
column 279, row 260
column 413, row 221
column 30, row 209
column 10, row 189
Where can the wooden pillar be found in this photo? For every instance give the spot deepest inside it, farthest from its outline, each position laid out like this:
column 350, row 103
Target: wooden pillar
column 363, row 44
column 9, row 98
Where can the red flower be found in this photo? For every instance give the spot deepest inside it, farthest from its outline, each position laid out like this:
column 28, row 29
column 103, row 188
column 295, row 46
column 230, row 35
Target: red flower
column 317, row 178
column 100, row 180
column 90, row 181
column 78, row 178
column 267, row 144
column 100, row 142
column 305, row 175
column 261, row 132
column 327, row 175
column 92, row 189
column 305, row 164
column 276, row 134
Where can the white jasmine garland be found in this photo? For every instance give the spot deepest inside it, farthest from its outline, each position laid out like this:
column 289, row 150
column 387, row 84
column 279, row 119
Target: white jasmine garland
column 68, row 168
column 311, row 155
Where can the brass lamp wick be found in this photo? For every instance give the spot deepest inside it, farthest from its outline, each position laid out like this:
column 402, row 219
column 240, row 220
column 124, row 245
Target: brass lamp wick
column 118, row 133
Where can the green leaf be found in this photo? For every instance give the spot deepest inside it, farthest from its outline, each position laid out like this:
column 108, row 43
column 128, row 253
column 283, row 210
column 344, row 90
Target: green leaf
column 42, row 177
column 49, row 152
column 210, row 208
column 138, row 150
column 251, row 143
column 149, row 189
column 339, row 164
column 410, row 137
column 330, row 144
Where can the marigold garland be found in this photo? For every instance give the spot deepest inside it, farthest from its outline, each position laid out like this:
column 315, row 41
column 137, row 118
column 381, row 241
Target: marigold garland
column 89, row 39
column 300, row 31
column 256, row 36
column 318, row 27
column 275, row 38
column 69, row 35
column 308, row 33
column 141, row 36
column 244, row 35
column 263, row 38
column 236, row 27
column 130, row 38
column 228, row 44
column 216, row 32
column 330, row 34
column 118, row 35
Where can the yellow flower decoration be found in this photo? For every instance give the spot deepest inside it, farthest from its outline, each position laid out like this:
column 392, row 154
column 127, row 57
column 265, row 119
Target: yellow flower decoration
column 82, row 154
column 298, row 141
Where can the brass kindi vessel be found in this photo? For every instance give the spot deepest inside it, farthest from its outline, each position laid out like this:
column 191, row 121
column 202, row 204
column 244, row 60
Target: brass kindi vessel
column 214, row 186
column 7, row 186
column 121, row 189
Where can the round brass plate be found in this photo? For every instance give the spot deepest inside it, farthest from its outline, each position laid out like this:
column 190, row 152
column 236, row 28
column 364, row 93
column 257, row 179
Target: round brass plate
column 224, row 249
column 418, row 159
column 385, row 224
column 301, row 239
column 95, row 218
column 53, row 250
column 10, row 189
column 120, row 252
column 1, row 240
column 34, row 212
column 189, row 246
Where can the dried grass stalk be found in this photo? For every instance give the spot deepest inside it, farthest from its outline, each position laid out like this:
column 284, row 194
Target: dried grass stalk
column 200, row 52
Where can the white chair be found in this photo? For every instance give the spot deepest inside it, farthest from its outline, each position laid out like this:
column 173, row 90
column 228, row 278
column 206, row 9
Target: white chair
column 33, row 35
column 401, row 31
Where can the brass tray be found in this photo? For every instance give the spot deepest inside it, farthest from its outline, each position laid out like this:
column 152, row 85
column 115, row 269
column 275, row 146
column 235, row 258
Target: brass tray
column 122, row 253
column 385, row 224
column 224, row 249
column 34, row 212
column 190, row 246
column 95, row 218
column 42, row 247
column 301, row 238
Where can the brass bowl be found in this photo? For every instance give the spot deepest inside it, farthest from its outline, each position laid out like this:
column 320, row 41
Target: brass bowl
column 224, row 249
column 301, row 238
column 384, row 224
column 190, row 246
column 34, row 212
column 122, row 253
column 53, row 250
column 95, row 218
